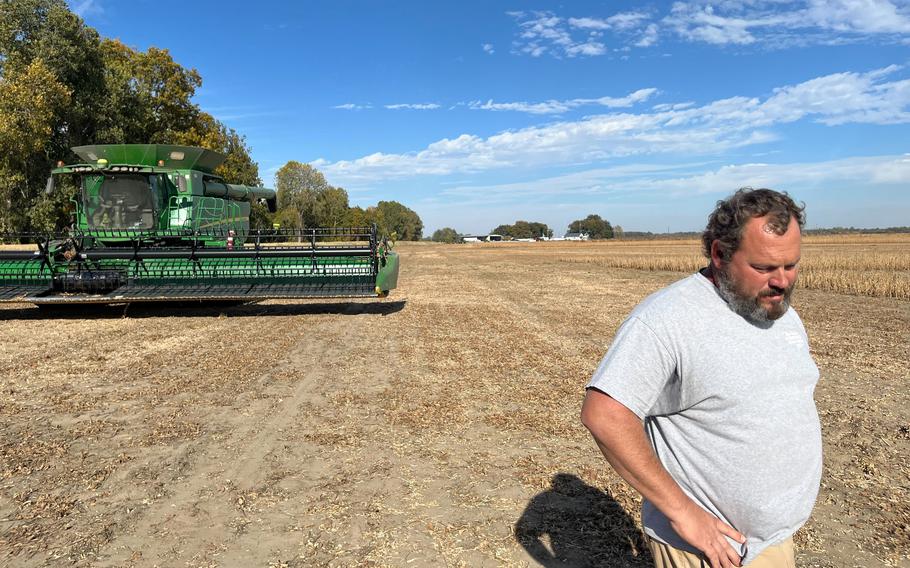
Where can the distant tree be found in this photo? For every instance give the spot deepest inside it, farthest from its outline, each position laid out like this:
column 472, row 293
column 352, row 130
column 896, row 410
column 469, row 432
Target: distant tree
column 445, row 235
column 539, row 230
column 521, row 230
column 286, row 218
column 299, row 186
column 524, row 230
column 332, row 207
column 357, row 217
column 594, row 226
column 260, row 218
column 617, row 232
column 393, row 217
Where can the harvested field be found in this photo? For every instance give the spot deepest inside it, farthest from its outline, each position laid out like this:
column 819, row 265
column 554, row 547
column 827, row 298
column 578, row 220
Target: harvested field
column 866, row 265
column 438, row 427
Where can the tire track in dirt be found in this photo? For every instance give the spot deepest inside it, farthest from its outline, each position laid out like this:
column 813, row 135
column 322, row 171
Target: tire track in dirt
column 196, row 521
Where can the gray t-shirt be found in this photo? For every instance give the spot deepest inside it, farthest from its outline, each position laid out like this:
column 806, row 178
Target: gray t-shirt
column 728, row 407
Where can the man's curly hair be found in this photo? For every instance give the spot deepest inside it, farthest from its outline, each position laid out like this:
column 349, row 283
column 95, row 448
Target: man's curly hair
column 729, row 218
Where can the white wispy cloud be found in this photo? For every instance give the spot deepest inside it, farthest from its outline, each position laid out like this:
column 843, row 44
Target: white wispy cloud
column 236, row 113
column 685, row 130
column 672, row 106
column 844, row 97
column 877, row 170
column 543, row 32
column 648, row 37
column 85, row 8
column 557, row 107
column 695, row 178
column 786, row 23
column 596, row 180
column 861, row 16
column 620, row 21
column 488, row 48
column 589, row 48
column 413, row 106
column 772, row 24
column 353, row 106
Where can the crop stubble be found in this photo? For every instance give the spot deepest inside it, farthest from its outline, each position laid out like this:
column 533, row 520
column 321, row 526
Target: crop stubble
column 438, row 427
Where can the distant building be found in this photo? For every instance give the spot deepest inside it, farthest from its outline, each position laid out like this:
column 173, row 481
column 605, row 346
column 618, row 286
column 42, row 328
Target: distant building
column 577, row 237
column 491, row 238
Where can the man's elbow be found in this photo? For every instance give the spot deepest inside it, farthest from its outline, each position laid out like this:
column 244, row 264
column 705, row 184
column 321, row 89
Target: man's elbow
column 592, row 411
column 601, row 412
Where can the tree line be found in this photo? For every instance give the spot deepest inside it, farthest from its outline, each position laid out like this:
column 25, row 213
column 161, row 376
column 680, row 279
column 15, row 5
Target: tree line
column 305, row 199
column 593, row 225
column 524, row 230
column 63, row 85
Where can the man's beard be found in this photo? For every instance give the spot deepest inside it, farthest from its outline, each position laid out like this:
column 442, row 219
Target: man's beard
column 750, row 307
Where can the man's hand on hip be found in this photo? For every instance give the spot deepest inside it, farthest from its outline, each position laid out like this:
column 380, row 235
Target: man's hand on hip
column 707, row 533
column 619, row 434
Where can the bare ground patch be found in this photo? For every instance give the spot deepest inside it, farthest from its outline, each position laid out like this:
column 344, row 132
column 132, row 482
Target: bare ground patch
column 436, row 428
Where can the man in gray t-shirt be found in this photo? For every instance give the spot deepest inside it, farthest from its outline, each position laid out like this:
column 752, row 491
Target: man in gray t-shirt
column 717, row 366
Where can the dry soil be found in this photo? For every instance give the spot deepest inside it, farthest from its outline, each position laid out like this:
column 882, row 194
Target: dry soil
column 437, row 427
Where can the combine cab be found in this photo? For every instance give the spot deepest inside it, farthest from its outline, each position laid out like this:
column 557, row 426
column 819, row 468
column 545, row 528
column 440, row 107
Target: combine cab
column 154, row 223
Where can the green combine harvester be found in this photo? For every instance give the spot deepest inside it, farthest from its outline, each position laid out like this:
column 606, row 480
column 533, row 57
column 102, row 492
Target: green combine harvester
column 152, row 222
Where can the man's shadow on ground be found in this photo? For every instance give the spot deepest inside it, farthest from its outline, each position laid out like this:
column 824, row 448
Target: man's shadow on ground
column 575, row 524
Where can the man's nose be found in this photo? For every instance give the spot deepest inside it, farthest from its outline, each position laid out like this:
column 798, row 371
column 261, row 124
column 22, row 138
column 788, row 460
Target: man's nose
column 779, row 278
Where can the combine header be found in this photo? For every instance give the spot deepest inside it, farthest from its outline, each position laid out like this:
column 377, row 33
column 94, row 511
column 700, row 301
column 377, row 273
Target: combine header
column 154, row 223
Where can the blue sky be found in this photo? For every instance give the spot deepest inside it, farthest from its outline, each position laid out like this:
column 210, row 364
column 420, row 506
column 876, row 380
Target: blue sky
column 479, row 113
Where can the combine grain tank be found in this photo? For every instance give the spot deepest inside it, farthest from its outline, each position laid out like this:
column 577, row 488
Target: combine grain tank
column 153, row 222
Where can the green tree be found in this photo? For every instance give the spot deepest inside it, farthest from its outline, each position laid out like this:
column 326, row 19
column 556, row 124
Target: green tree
column 358, row 217
column 332, row 207
column 504, row 230
column 52, row 88
column 50, row 212
column 539, row 230
column 299, row 186
column 260, row 218
column 286, row 218
column 47, row 30
column 148, row 97
column 594, row 225
column 445, row 235
column 393, row 217
column 524, row 230
column 31, row 100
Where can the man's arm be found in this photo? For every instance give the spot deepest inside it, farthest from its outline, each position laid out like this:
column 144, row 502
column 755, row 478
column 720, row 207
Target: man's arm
column 620, row 436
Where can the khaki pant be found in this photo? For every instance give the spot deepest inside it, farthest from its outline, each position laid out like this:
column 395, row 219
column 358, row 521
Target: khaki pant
column 777, row 556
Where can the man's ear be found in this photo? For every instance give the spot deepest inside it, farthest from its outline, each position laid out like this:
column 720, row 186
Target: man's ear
column 717, row 260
